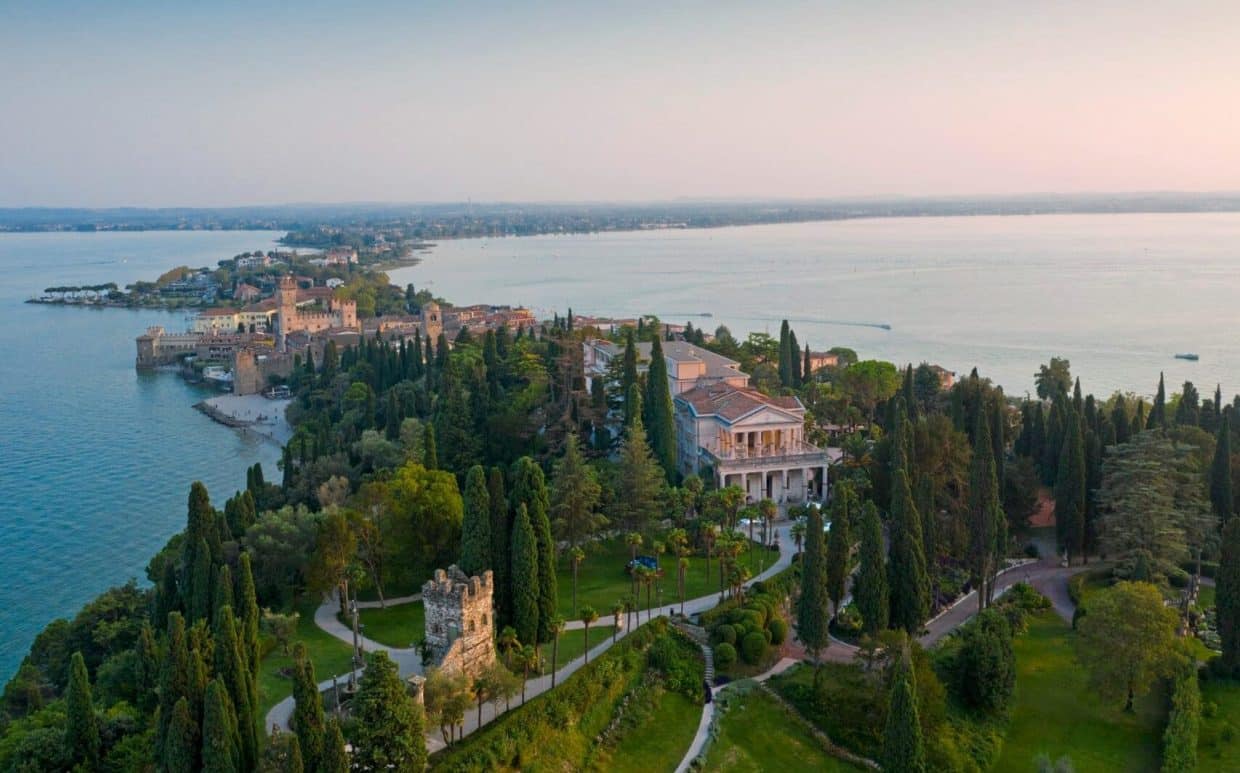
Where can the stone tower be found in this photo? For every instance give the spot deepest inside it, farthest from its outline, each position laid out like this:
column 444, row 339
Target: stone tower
column 432, row 321
column 460, row 621
column 286, row 310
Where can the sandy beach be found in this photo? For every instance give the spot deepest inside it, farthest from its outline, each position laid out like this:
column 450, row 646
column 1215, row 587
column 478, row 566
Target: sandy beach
column 254, row 413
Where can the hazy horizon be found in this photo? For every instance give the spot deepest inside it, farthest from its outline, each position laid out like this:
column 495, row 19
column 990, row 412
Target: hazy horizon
column 228, row 104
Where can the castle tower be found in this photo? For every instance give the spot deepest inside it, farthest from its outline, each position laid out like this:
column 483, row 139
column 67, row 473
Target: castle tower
column 432, row 321
column 460, row 620
column 286, row 310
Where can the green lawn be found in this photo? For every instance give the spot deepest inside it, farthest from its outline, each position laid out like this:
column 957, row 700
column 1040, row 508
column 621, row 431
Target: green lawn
column 756, row 734
column 1205, row 596
column 602, row 580
column 661, row 740
column 394, row 590
column 330, row 656
column 573, row 643
column 1056, row 713
column 1218, row 746
column 399, row 626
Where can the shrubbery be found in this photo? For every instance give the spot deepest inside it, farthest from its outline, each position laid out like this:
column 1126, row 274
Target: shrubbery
column 725, row 655
column 747, row 628
column 752, row 647
column 1183, row 725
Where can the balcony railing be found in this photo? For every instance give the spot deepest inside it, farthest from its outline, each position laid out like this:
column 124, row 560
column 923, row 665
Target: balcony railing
column 794, row 453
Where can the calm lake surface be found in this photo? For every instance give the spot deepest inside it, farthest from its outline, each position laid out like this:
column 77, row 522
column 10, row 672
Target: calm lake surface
column 95, row 458
column 1118, row 295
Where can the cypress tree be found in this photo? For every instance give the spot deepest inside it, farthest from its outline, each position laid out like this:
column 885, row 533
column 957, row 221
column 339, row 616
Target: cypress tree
column 1158, row 413
column 794, row 358
column 1120, row 420
column 1227, row 595
column 181, row 745
column 813, row 608
column 430, row 455
column 660, row 428
column 307, row 720
column 223, row 588
column 174, row 678
column 984, row 513
column 283, row 755
column 907, row 578
column 903, row 750
column 1220, row 472
column 839, row 544
column 628, row 378
column 146, row 668
column 1188, row 411
column 220, row 752
column 476, row 527
column 1070, row 490
column 391, row 425
column 198, row 599
column 998, row 441
column 248, row 599
column 524, row 577
column 334, row 759
column 785, row 355
column 501, row 530
column 910, row 398
column 81, row 728
column 231, row 668
column 807, row 373
column 870, row 587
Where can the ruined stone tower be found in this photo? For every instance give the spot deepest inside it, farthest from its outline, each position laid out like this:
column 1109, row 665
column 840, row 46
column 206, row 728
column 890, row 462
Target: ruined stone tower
column 460, row 621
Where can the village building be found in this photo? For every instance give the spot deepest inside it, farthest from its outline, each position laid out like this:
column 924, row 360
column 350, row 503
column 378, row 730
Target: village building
column 460, row 621
column 246, row 292
column 292, row 318
column 820, row 360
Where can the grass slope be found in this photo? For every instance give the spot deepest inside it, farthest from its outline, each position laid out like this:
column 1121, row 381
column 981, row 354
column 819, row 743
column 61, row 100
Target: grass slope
column 661, row 740
column 331, row 657
column 757, row 735
column 1057, row 714
column 1218, row 746
column 400, row 626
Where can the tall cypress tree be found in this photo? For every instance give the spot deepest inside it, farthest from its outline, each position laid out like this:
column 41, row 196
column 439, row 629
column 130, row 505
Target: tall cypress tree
column 870, row 587
column 907, row 578
column 660, row 428
column 785, row 355
column 1188, row 411
column 501, row 530
column 476, row 527
column 1227, row 598
column 248, row 599
column 335, row 759
column 1070, row 490
column 232, row 671
column 985, row 512
column 220, row 748
column 628, row 378
column 910, row 396
column 430, row 454
column 181, row 748
column 903, row 749
column 839, row 544
column 813, row 609
column 524, row 577
column 307, row 720
column 807, row 372
column 81, row 728
column 174, row 678
column 794, row 358
column 1158, row 413
column 1220, row 472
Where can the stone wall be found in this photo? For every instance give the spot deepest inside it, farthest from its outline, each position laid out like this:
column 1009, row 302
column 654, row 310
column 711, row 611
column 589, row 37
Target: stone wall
column 460, row 620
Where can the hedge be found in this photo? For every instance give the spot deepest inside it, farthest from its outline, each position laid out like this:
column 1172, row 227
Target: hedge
column 752, row 647
column 1183, row 725
column 725, row 655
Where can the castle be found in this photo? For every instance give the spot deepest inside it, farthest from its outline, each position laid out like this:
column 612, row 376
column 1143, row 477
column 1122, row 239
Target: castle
column 291, row 319
column 460, row 621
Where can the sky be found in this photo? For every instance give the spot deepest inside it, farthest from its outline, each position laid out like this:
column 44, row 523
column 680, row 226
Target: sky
column 233, row 103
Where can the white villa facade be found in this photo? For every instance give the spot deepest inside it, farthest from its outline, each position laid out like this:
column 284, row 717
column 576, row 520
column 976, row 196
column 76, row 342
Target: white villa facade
column 743, row 437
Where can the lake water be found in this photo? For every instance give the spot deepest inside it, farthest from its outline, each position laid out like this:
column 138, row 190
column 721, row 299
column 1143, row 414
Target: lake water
column 1118, row 295
column 95, row 458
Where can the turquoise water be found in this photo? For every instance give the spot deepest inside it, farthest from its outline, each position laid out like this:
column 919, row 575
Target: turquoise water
column 95, row 458
column 1118, row 295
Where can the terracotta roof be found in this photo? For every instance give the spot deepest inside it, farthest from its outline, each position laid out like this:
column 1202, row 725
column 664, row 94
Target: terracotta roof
column 731, row 403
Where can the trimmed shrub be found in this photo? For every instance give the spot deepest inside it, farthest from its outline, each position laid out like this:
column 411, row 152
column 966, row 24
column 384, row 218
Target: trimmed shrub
column 752, row 647
column 779, row 631
column 725, row 655
column 725, row 633
column 1183, row 725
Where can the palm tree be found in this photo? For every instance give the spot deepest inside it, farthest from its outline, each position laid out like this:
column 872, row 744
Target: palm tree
column 768, row 510
column 708, row 540
column 527, row 658
column 508, row 643
column 735, row 548
column 659, row 549
column 798, row 534
column 634, row 541
column 588, row 615
column 648, row 579
column 630, row 606
column 576, row 556
column 616, row 610
column 683, row 565
column 555, row 626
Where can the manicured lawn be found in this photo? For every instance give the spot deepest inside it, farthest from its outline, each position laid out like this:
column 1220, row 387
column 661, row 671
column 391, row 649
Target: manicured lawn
column 1056, row 713
column 394, row 590
column 573, row 643
column 1205, row 596
column 661, row 740
column 602, row 580
column 756, row 734
column 331, row 657
column 399, row 626
column 1218, row 745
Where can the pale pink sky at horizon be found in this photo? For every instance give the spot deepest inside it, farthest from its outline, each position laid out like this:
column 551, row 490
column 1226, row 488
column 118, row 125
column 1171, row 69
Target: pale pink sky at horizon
column 141, row 104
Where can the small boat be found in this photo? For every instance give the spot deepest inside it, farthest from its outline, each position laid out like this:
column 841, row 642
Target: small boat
column 1187, row 356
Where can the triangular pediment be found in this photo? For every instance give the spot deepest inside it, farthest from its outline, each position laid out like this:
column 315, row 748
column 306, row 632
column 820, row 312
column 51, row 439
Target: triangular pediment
column 766, row 415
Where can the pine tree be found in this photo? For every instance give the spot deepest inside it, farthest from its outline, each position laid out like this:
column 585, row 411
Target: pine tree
column 81, row 728
column 870, row 588
column 1070, row 490
column 658, row 408
column 501, row 530
column 575, row 494
column 220, row 751
column 1158, row 414
column 1221, row 496
column 813, row 609
column 839, row 545
column 907, row 578
column 985, row 513
column 181, row 746
column 639, row 481
column 903, row 750
column 307, row 720
column 334, row 759
column 1227, row 596
column 389, row 725
column 476, row 526
column 524, row 577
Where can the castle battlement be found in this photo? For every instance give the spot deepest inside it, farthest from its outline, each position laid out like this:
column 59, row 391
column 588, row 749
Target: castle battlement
column 454, row 587
column 460, row 620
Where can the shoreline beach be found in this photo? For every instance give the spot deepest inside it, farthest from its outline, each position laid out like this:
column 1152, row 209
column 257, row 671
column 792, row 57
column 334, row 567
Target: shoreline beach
column 254, row 413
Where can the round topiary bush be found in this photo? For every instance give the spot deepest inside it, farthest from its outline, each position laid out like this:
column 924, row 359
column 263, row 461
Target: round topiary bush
column 725, row 655
column 779, row 631
column 752, row 647
column 725, row 633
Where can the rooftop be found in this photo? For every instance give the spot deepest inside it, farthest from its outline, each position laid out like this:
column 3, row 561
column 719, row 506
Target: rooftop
column 731, row 403
column 717, row 366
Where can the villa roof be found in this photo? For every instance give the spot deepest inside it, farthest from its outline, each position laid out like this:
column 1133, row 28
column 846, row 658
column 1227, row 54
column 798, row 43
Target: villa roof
column 717, row 366
column 731, row 403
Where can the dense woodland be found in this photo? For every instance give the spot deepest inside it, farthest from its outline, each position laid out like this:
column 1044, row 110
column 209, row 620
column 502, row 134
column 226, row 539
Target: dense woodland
column 494, row 452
